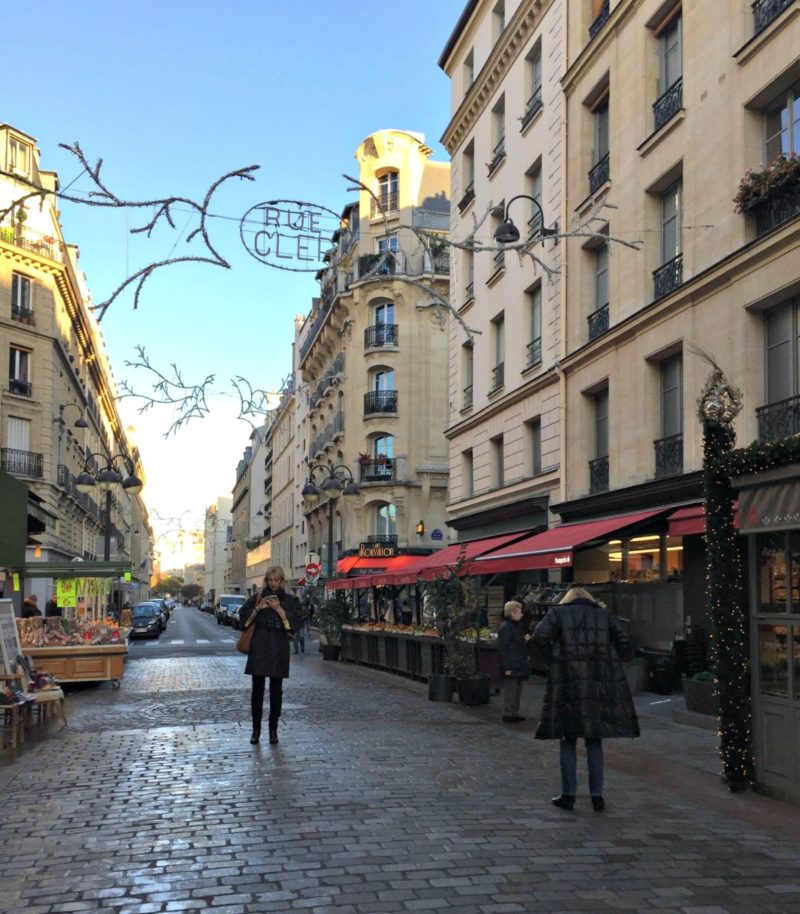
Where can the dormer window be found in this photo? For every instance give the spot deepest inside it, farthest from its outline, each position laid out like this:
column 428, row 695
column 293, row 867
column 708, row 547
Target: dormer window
column 19, row 156
column 387, row 195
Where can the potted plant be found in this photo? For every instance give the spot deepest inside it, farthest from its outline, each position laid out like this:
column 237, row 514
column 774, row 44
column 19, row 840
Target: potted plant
column 364, row 459
column 700, row 692
column 446, row 603
column 330, row 616
column 779, row 178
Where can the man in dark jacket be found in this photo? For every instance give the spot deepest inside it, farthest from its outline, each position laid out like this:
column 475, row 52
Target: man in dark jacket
column 512, row 657
column 587, row 692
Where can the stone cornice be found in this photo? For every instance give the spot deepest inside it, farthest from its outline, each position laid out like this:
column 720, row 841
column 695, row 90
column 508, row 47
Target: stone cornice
column 493, row 72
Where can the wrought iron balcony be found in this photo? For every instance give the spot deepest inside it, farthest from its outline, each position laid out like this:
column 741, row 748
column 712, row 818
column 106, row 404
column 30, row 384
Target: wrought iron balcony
column 384, row 205
column 535, row 224
column 466, row 402
column 598, row 475
column 470, row 291
column 533, row 105
column 380, row 335
column 599, row 173
column 31, row 240
column 601, row 19
column 598, row 322
column 499, row 263
column 469, row 196
column 498, row 154
column 669, row 456
column 380, row 401
column 377, row 471
column 668, row 277
column 21, row 463
column 20, row 388
column 780, row 207
column 670, row 103
column 441, row 263
column 779, row 420
column 535, row 351
column 23, row 315
column 382, row 539
column 764, row 11
column 498, row 376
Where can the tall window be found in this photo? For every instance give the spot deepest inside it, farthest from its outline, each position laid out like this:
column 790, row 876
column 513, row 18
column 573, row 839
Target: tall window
column 533, row 298
column 534, row 436
column 498, row 133
column 671, row 222
column 469, row 260
column 469, row 71
column 383, row 379
column 498, row 467
column 19, row 434
column 383, row 446
column 601, row 424
column 468, row 470
column 533, row 187
column 498, row 19
column 499, row 345
column 19, row 368
column 782, row 351
column 533, row 79
column 387, row 243
column 670, row 56
column 468, row 176
column 600, row 131
column 20, row 295
column 601, row 277
column 386, row 520
column 387, row 191
column 19, row 155
column 672, row 396
column 468, row 362
column 782, row 124
column 384, row 313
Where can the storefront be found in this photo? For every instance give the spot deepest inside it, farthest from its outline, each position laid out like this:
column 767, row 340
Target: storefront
column 769, row 510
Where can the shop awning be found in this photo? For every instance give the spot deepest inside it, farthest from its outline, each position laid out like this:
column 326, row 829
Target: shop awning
column 344, row 565
column 553, row 548
column 691, row 520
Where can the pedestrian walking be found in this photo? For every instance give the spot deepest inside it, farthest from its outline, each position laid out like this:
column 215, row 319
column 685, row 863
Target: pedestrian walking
column 587, row 694
column 298, row 619
column 512, row 657
column 30, row 607
column 268, row 656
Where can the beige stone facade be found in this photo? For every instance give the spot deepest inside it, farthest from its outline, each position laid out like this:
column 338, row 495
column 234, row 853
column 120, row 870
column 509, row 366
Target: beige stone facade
column 505, row 136
column 373, row 354
column 57, row 375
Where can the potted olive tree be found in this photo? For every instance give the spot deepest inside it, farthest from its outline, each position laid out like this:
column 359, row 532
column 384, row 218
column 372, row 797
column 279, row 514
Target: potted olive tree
column 331, row 614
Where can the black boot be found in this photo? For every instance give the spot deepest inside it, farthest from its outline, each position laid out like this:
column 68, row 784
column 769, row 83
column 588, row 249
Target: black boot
column 256, row 735
column 564, row 801
column 598, row 803
column 273, row 734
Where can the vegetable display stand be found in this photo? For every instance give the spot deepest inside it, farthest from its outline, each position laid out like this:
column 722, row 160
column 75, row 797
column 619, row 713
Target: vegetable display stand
column 81, row 663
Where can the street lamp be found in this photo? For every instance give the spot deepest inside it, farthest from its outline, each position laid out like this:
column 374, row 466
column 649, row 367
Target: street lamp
column 80, row 422
column 338, row 481
column 508, row 233
column 105, row 479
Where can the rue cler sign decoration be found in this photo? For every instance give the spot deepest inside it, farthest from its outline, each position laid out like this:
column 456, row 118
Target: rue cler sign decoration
column 289, row 234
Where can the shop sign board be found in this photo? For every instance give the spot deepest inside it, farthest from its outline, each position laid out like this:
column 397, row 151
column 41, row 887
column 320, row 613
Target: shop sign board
column 10, row 647
column 376, row 551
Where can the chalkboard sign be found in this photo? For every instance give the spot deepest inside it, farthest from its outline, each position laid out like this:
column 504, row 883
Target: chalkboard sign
column 10, row 647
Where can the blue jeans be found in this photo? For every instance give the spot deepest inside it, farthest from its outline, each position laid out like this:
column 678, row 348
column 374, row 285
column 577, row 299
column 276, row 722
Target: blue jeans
column 569, row 765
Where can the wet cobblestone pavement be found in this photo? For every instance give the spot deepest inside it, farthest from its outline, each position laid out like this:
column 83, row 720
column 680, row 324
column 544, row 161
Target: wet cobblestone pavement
column 376, row 800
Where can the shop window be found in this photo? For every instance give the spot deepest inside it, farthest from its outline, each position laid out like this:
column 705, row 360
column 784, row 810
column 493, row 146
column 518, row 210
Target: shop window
column 778, row 572
column 773, row 660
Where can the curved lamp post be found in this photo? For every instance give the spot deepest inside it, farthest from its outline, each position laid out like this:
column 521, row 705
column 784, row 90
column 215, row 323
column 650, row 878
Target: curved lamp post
column 336, row 480
column 105, row 479
column 508, row 233
column 80, row 422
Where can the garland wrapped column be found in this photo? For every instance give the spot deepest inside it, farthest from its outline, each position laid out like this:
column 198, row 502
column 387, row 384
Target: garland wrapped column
column 718, row 406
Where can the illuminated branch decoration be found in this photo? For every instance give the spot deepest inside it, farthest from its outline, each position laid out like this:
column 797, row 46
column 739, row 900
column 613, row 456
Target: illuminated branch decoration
column 103, row 196
column 190, row 399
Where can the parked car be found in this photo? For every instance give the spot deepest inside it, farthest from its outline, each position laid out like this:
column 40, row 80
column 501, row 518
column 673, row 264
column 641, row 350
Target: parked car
column 207, row 607
column 228, row 609
column 162, row 608
column 146, row 621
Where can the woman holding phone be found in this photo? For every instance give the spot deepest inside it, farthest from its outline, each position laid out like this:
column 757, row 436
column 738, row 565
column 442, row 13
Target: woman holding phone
column 268, row 657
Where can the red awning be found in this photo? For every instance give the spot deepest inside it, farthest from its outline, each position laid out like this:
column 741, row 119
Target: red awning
column 691, row 520
column 344, row 565
column 553, row 548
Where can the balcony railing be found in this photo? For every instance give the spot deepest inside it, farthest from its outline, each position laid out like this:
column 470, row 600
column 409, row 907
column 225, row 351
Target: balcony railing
column 20, row 388
column 599, row 173
column 764, row 11
column 385, row 204
column 470, row 292
column 441, row 263
column 535, row 351
column 30, row 240
column 380, row 335
column 499, row 263
column 23, row 315
column 382, row 539
column 498, row 154
column 469, row 196
column 535, row 224
column 21, row 463
column 498, row 376
column 779, row 420
column 601, row 20
column 466, row 400
column 669, row 456
column 779, row 208
column 533, row 105
column 598, row 322
column 380, row 401
column 668, row 277
column 598, row 475
column 670, row 103
column 377, row 471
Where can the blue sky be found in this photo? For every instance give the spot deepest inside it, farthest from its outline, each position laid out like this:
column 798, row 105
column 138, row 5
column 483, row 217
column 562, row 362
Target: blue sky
column 174, row 95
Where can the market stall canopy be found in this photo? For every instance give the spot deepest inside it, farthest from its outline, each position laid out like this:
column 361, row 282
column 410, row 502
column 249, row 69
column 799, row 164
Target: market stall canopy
column 691, row 520
column 553, row 548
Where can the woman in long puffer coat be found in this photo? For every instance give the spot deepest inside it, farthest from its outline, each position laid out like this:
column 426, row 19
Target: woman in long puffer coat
column 587, row 692
column 268, row 657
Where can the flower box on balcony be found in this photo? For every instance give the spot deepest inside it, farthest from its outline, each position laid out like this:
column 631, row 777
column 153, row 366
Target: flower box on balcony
column 760, row 188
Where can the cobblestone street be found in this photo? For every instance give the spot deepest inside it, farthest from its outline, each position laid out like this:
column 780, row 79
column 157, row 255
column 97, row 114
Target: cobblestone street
column 376, row 800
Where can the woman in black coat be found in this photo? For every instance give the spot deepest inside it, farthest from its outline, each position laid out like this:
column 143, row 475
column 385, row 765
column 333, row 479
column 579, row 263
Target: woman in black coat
column 268, row 657
column 587, row 693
